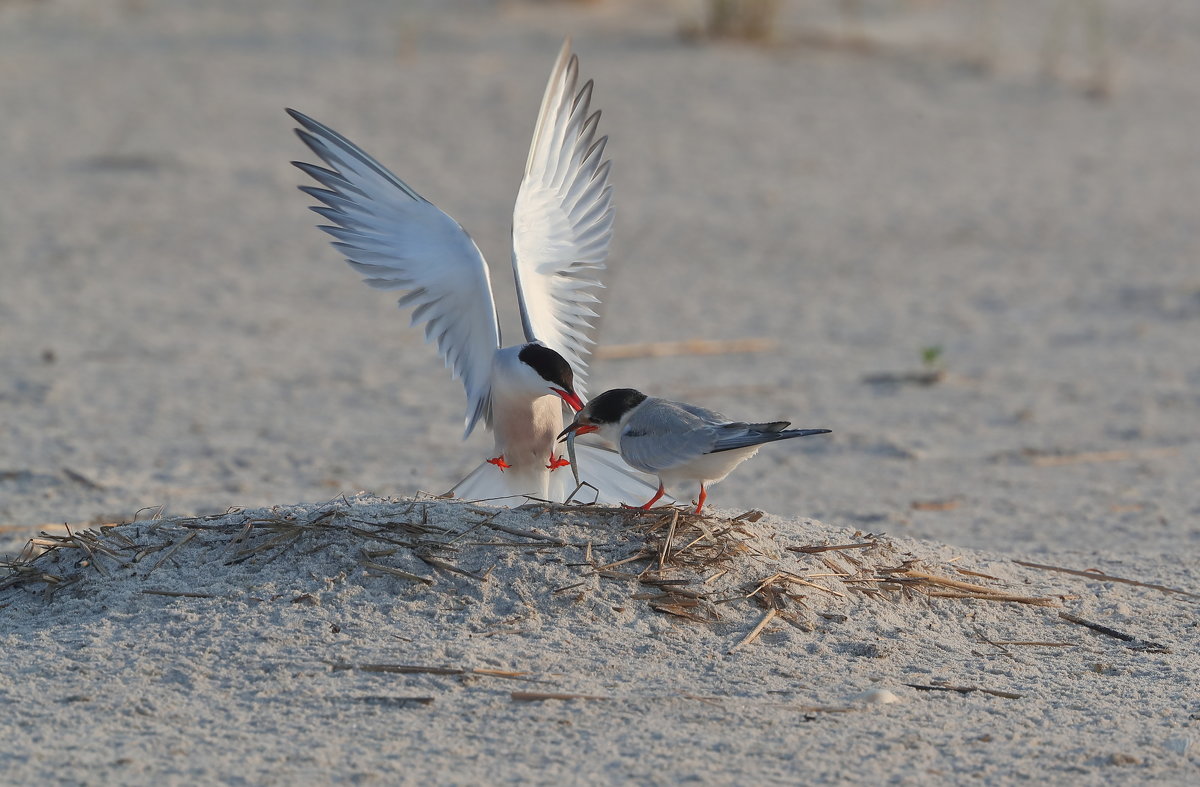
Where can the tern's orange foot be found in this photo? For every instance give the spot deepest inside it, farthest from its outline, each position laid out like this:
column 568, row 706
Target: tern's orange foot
column 557, row 463
column 499, row 462
column 651, row 501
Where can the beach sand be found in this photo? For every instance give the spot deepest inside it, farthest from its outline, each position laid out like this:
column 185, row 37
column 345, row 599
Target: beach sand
column 174, row 333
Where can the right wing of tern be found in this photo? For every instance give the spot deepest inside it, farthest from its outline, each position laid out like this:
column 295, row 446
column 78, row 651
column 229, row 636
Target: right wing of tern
column 562, row 221
column 400, row 241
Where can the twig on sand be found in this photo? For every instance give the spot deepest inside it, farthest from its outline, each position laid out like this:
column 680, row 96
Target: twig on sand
column 960, row 589
column 1031, row 600
column 812, row 550
column 399, row 702
column 1008, row 695
column 531, row 534
column 666, row 547
column 928, row 377
column 681, row 607
column 419, row 669
column 808, row 583
column 175, row 548
column 1100, row 576
column 430, row 561
column 753, row 635
column 371, row 565
column 177, row 594
column 687, row 347
column 1032, row 643
column 1137, row 643
column 80, row 478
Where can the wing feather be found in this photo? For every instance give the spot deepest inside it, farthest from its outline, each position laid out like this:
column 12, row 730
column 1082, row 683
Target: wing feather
column 562, row 221
column 398, row 240
column 663, row 434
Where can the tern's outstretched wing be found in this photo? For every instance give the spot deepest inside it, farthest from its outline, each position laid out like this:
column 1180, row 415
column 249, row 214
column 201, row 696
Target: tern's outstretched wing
column 399, row 241
column 562, row 221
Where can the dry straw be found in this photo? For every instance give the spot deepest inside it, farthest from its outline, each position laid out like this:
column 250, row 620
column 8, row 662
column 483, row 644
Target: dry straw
column 699, row 570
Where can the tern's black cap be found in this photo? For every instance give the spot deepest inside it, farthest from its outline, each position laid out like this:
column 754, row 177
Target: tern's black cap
column 608, row 407
column 549, row 365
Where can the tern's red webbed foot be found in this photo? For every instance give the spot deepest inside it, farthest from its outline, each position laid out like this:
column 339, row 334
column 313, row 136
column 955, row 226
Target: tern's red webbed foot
column 700, row 502
column 557, row 463
column 646, row 506
column 499, row 462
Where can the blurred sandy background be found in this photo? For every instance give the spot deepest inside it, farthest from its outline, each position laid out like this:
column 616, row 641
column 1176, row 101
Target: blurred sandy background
column 1013, row 183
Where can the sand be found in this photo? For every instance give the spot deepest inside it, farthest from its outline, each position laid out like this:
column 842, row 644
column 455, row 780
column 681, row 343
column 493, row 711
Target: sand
column 173, row 332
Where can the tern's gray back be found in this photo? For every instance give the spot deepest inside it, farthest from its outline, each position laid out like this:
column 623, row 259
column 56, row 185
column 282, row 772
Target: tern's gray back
column 661, row 434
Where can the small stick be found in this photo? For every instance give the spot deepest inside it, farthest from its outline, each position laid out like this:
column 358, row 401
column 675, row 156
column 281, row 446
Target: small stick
column 177, row 593
column 681, row 610
column 1034, row 644
column 948, row 504
column 969, row 573
column 452, row 569
column 1031, row 600
column 688, row 347
column 1101, row 576
column 373, row 566
column 815, row 549
column 80, row 478
column 666, row 548
column 403, row 669
column 375, row 699
column 1008, row 695
column 191, row 534
column 753, row 635
column 629, row 559
column 801, row 581
column 533, row 534
column 946, row 581
column 1139, row 643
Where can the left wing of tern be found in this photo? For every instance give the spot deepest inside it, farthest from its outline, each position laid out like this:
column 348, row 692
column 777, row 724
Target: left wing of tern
column 562, row 221
column 398, row 240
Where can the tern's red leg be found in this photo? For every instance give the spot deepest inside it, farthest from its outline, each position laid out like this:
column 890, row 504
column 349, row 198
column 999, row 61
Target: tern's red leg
column 499, row 462
column 557, row 463
column 700, row 502
column 653, row 500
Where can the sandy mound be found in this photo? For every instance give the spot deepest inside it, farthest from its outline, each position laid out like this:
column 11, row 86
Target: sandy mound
column 546, row 639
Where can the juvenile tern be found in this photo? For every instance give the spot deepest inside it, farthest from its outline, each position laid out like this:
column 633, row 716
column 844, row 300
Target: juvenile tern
column 562, row 225
column 678, row 442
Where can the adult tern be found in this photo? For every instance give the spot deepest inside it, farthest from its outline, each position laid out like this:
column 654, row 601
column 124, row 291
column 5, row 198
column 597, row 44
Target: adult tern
column 561, row 229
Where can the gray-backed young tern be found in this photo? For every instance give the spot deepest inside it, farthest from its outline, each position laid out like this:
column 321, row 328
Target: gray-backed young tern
column 676, row 441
